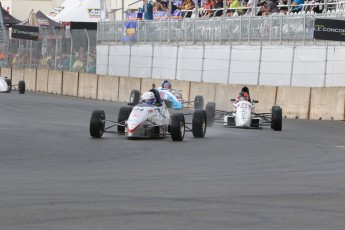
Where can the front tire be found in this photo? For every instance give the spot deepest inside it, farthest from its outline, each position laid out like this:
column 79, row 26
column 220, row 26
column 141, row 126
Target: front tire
column 199, row 123
column 199, row 102
column 134, row 97
column 123, row 116
column 177, row 127
column 277, row 118
column 210, row 113
column 97, row 123
column 21, row 87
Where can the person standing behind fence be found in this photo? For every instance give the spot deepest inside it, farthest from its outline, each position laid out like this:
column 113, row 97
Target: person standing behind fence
column 148, row 15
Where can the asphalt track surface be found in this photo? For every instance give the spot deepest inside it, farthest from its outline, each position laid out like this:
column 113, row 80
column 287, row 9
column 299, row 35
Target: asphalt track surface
column 54, row 176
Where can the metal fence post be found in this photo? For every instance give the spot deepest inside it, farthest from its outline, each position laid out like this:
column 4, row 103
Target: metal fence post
column 88, row 51
column 326, row 62
column 71, row 54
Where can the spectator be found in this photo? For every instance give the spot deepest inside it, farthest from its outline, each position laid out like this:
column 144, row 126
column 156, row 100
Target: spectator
column 92, row 67
column 78, row 65
column 187, row 5
column 298, row 5
column 251, row 5
column 214, row 7
column 148, row 15
column 271, row 8
column 238, row 8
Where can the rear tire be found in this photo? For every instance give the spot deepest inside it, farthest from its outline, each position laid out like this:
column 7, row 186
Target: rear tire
column 9, row 85
column 134, row 97
column 21, row 87
column 97, row 123
column 277, row 118
column 199, row 123
column 199, row 102
column 123, row 116
column 177, row 127
column 210, row 113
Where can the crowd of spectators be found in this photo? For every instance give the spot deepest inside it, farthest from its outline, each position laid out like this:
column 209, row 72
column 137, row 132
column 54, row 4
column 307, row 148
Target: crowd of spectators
column 215, row 8
column 79, row 61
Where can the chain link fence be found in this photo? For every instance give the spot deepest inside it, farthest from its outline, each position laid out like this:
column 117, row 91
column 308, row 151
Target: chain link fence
column 69, row 50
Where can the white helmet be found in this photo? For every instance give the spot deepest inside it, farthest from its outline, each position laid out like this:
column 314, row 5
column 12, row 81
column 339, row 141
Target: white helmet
column 148, row 98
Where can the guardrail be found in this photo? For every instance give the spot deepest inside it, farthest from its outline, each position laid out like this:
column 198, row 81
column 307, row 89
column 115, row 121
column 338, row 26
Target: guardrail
column 218, row 30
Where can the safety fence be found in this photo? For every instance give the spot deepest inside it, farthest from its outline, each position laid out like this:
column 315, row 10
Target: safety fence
column 280, row 28
column 56, row 49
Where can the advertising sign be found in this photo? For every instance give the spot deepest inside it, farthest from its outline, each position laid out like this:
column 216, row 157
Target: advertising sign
column 329, row 29
column 25, row 32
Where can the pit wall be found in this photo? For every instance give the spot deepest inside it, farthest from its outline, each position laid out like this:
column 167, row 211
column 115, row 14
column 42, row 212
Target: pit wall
column 318, row 103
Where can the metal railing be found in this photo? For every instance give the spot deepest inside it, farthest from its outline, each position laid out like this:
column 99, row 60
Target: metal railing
column 245, row 29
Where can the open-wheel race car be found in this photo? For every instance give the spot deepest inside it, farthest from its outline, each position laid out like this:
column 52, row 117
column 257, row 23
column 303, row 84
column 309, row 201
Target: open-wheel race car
column 149, row 121
column 6, row 86
column 172, row 98
column 244, row 115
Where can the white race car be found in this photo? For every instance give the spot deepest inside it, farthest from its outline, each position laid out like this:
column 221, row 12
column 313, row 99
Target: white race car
column 148, row 121
column 244, row 115
column 6, row 86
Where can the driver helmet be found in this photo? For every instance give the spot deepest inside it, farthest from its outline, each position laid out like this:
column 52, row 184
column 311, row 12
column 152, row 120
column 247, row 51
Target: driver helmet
column 148, row 98
column 167, row 85
column 245, row 96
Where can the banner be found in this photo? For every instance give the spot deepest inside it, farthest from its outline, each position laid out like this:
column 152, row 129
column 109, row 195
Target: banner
column 329, row 29
column 129, row 32
column 25, row 32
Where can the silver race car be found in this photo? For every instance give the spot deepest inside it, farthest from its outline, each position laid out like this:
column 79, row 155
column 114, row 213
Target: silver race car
column 6, row 86
column 149, row 120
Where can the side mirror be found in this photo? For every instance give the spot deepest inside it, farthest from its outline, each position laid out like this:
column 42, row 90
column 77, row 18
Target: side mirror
column 233, row 100
column 255, row 101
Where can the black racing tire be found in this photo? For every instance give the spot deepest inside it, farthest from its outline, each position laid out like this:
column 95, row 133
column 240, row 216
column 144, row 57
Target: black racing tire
column 273, row 108
column 177, row 127
column 123, row 116
column 21, row 87
column 9, row 85
column 277, row 118
column 97, row 123
column 134, row 98
column 199, row 102
column 168, row 104
column 210, row 113
column 199, row 123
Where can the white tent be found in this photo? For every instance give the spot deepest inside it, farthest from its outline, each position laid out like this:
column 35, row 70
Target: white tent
column 84, row 11
column 66, row 8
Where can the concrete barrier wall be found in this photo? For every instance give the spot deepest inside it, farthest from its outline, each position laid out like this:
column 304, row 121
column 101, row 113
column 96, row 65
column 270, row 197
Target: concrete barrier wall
column 55, row 82
column 70, row 82
column 30, row 79
column 17, row 75
column 266, row 95
column 6, row 72
column 126, row 85
column 224, row 94
column 294, row 101
column 88, row 85
column 108, row 88
column 42, row 80
column 327, row 103
column 207, row 90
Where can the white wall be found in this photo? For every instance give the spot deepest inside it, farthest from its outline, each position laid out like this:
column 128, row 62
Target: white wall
column 302, row 66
